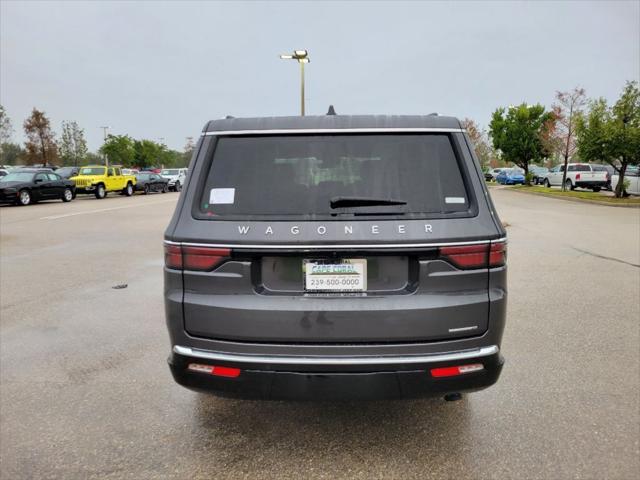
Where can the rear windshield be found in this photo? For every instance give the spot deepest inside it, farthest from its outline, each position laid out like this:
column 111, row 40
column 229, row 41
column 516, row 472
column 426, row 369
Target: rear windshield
column 92, row 171
column 580, row 168
column 300, row 176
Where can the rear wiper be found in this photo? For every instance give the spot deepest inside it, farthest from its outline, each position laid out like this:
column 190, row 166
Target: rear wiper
column 338, row 202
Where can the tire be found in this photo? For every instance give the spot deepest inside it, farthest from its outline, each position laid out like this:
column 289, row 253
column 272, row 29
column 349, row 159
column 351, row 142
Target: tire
column 128, row 190
column 568, row 185
column 146, row 190
column 165, row 188
column 100, row 192
column 596, row 189
column 178, row 187
column 546, row 183
column 24, row 198
column 67, row 195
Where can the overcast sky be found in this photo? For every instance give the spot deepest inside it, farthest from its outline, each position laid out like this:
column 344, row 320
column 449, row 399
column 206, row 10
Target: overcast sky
column 162, row 69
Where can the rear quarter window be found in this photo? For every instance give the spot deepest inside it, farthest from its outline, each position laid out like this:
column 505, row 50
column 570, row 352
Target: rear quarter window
column 297, row 176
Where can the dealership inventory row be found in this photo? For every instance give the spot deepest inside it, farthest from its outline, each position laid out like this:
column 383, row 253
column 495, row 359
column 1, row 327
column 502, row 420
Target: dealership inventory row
column 23, row 186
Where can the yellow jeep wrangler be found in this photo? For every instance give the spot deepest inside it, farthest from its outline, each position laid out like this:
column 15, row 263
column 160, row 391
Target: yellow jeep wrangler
column 100, row 180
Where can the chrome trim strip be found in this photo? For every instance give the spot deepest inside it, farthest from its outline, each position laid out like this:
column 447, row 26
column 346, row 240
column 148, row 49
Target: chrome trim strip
column 336, row 360
column 327, row 247
column 330, row 130
column 462, row 329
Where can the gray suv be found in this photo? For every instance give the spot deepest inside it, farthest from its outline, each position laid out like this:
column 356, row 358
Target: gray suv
column 335, row 257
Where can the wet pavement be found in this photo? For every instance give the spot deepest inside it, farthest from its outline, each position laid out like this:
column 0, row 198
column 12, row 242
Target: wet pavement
column 85, row 391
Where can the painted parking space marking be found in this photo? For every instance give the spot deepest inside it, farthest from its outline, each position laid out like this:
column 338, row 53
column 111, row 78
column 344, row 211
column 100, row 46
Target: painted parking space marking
column 89, row 212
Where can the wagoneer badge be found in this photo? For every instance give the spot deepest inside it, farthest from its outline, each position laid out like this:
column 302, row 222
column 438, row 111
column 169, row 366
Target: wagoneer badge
column 321, row 229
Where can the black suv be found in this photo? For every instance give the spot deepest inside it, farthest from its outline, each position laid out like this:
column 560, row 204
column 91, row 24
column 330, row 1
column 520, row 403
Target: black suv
column 335, row 257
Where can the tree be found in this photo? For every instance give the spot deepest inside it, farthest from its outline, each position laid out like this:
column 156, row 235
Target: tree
column 480, row 142
column 93, row 158
column 613, row 134
column 11, row 154
column 6, row 130
column 119, row 150
column 148, row 153
column 41, row 140
column 563, row 138
column 73, row 147
column 518, row 133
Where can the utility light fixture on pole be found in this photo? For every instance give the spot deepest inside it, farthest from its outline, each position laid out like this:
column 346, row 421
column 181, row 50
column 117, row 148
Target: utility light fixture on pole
column 302, row 56
column 105, row 130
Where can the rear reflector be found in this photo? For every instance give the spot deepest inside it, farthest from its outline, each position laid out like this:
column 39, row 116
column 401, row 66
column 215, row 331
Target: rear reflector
column 216, row 370
column 457, row 370
column 201, row 259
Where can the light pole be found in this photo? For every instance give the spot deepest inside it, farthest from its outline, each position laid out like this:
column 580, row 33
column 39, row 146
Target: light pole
column 105, row 130
column 302, row 56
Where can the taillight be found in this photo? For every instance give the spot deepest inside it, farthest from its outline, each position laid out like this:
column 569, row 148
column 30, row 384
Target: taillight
column 466, row 256
column 498, row 254
column 201, row 259
column 475, row 256
column 173, row 256
column 577, row 176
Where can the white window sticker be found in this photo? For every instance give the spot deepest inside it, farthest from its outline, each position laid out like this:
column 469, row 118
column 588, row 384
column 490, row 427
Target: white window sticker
column 454, row 199
column 222, row 196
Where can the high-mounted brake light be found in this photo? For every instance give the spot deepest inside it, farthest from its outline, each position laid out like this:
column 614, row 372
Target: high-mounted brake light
column 201, row 259
column 457, row 370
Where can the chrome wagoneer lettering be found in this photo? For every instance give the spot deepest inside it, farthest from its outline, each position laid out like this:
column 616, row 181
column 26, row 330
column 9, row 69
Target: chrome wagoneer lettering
column 322, row 230
column 335, row 257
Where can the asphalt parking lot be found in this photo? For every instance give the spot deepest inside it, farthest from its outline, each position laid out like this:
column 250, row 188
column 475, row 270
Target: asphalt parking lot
column 85, row 391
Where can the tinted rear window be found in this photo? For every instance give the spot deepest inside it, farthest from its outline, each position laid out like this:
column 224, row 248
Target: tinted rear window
column 299, row 175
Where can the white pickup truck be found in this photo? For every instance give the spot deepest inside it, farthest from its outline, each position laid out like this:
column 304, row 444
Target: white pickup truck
column 632, row 176
column 579, row 175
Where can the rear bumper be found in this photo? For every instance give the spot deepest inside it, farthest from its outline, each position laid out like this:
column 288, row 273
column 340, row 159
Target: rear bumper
column 590, row 184
column 335, row 377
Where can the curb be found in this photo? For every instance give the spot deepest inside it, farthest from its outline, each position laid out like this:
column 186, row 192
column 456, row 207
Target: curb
column 575, row 199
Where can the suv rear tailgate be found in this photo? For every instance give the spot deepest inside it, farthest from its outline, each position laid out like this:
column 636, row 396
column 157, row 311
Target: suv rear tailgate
column 414, row 298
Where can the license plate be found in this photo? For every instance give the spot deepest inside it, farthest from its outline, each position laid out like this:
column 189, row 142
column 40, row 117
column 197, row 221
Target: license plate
column 347, row 275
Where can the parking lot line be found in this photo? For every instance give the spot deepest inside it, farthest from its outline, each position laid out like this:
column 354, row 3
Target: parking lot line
column 64, row 215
